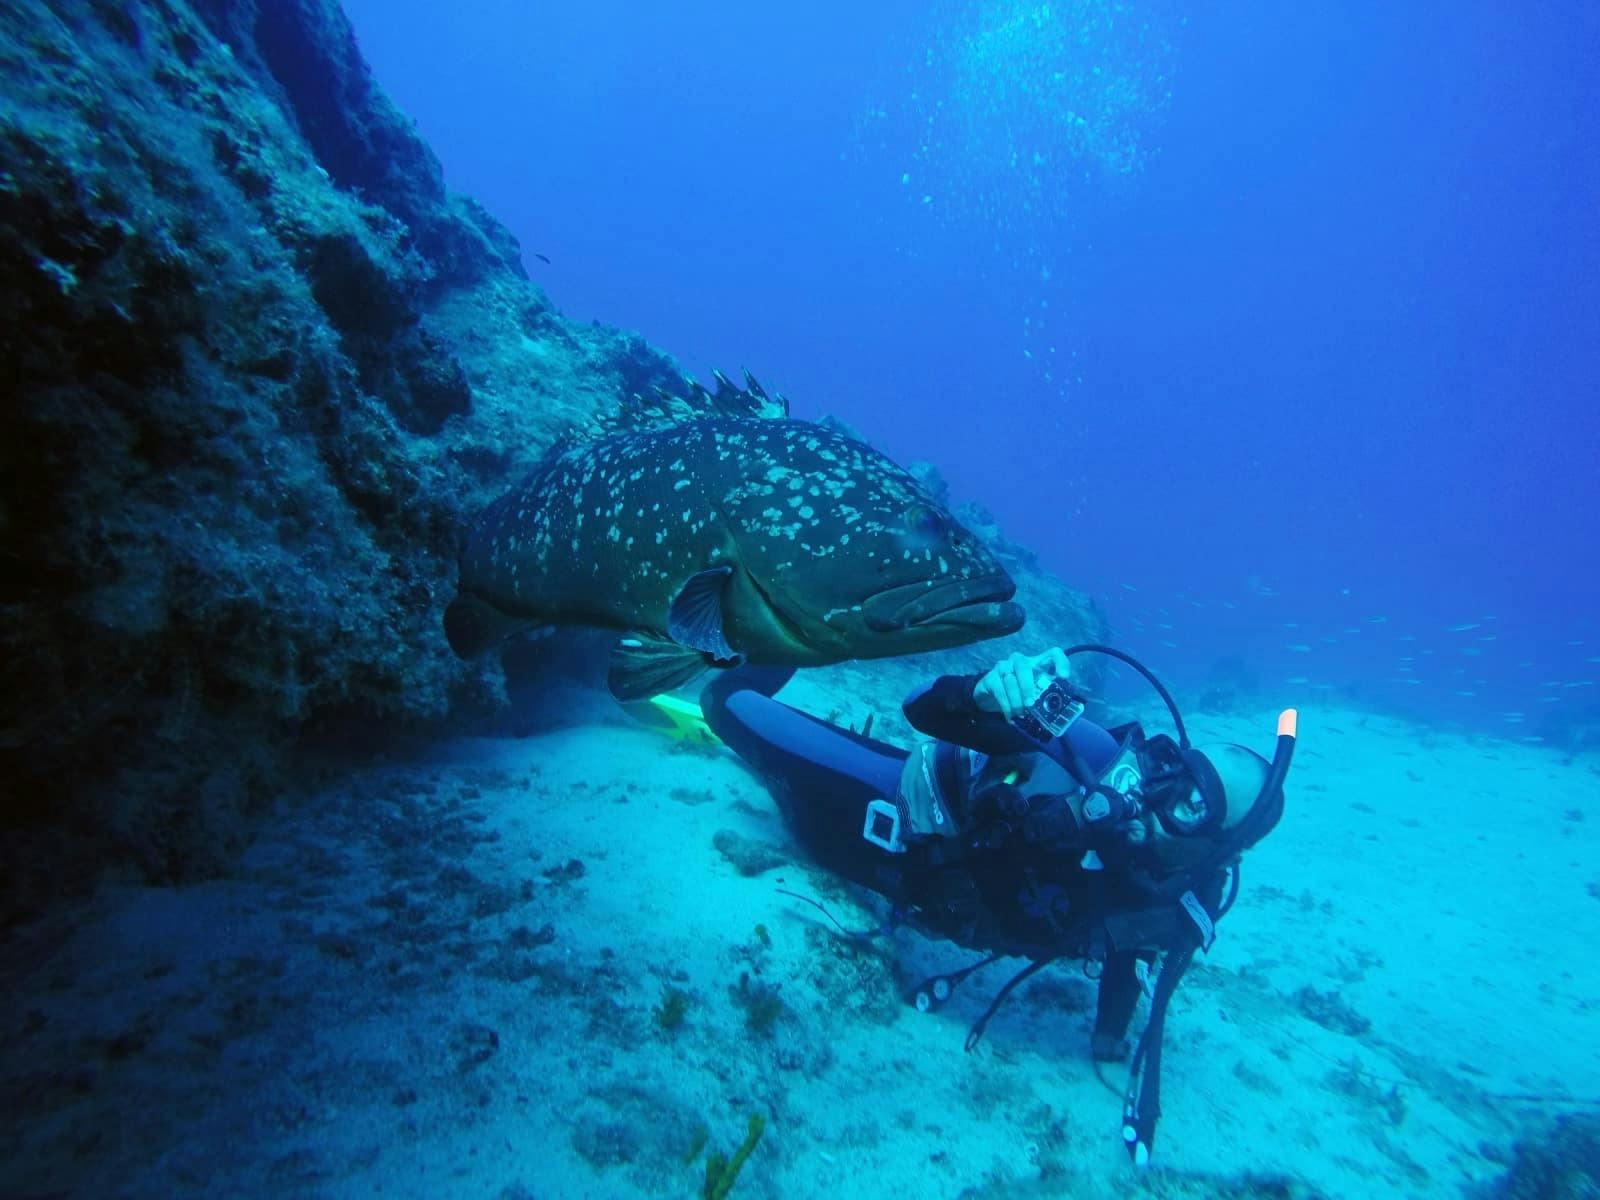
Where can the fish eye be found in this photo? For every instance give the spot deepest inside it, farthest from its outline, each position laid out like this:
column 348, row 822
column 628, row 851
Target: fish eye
column 925, row 522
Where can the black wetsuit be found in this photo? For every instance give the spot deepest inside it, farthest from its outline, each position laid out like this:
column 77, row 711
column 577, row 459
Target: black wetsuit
column 1013, row 881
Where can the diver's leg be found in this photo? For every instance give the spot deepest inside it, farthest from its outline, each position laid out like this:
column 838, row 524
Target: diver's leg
column 821, row 776
column 1119, row 995
column 746, row 678
column 739, row 708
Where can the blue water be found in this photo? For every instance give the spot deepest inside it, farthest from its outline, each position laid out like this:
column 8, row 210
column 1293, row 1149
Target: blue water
column 1274, row 327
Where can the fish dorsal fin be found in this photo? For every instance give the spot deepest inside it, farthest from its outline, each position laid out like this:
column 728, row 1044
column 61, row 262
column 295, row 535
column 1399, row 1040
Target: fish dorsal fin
column 662, row 408
column 695, row 618
column 645, row 664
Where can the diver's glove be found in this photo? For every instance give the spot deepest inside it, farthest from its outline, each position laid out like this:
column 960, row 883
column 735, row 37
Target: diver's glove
column 1013, row 684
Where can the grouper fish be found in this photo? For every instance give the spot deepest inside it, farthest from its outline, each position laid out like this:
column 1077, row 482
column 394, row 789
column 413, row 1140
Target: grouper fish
column 729, row 533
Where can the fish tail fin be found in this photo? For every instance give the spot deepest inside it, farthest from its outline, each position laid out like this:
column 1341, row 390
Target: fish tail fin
column 472, row 625
column 643, row 664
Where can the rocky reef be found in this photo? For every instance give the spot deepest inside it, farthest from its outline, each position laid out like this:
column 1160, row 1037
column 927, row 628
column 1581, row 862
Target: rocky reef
column 261, row 362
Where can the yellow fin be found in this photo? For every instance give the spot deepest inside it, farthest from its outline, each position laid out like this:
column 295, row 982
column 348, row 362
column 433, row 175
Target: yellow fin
column 680, row 719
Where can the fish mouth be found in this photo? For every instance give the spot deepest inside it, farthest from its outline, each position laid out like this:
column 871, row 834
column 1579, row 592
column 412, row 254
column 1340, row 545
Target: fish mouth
column 980, row 603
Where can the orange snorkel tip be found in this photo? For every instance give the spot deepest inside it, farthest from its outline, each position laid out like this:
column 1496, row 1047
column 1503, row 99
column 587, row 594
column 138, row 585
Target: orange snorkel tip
column 1288, row 722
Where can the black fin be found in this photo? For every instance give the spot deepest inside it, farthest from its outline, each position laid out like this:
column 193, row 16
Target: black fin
column 644, row 665
column 472, row 626
column 760, row 393
column 695, row 619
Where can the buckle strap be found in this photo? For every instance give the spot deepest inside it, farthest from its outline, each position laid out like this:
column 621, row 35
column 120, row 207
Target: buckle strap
column 1204, row 925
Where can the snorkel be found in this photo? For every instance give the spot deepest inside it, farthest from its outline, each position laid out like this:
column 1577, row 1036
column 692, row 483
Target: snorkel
column 1268, row 806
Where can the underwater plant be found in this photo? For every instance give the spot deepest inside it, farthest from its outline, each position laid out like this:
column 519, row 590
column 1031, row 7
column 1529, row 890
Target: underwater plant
column 760, row 1002
column 721, row 1170
column 674, row 1006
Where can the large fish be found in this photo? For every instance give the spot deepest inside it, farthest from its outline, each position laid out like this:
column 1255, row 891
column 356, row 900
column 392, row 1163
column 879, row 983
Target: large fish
column 733, row 534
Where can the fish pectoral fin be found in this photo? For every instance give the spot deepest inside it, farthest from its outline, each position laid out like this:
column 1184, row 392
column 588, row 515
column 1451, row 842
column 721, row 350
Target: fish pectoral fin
column 472, row 625
column 643, row 664
column 695, row 618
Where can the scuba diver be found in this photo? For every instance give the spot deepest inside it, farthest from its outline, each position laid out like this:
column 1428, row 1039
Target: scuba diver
column 1024, row 829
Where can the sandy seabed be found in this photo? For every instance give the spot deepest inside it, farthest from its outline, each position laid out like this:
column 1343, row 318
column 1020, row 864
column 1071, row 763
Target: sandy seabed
column 533, row 968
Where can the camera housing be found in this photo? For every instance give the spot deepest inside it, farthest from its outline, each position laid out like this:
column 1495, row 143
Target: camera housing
column 1051, row 714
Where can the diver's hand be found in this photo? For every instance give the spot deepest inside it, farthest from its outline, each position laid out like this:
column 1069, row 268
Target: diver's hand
column 1014, row 683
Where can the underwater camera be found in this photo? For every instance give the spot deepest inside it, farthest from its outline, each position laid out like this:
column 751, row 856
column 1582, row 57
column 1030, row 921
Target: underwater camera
column 1050, row 715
